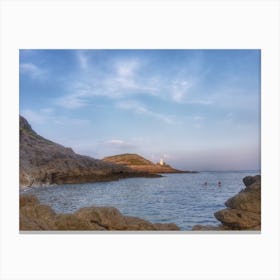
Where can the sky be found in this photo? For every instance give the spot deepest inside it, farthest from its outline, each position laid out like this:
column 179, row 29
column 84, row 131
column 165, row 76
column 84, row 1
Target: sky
column 196, row 109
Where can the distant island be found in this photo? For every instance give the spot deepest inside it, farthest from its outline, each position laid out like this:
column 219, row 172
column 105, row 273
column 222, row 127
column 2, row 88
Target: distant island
column 43, row 162
column 141, row 164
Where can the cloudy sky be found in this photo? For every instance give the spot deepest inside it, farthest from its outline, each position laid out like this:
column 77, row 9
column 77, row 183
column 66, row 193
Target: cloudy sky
column 197, row 109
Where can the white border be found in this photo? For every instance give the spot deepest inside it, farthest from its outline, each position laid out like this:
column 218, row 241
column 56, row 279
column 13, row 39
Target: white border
column 153, row 24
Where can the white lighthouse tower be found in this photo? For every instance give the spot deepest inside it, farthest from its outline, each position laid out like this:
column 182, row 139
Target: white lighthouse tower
column 161, row 162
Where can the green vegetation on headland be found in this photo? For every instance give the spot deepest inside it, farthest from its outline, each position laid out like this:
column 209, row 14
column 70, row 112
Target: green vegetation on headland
column 141, row 164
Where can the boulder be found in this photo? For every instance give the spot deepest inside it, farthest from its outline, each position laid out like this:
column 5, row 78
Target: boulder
column 108, row 218
column 169, row 226
column 247, row 200
column 133, row 223
column 35, row 216
column 209, row 227
column 70, row 222
column 249, row 180
column 238, row 219
column 28, row 200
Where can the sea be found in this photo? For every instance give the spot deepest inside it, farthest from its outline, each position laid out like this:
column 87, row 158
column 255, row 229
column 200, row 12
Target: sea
column 185, row 199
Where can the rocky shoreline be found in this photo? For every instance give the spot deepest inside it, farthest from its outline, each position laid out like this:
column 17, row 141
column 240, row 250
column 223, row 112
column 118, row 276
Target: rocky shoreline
column 43, row 162
column 243, row 210
column 37, row 217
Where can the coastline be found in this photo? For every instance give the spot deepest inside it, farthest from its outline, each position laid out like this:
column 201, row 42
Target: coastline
column 238, row 205
column 91, row 179
column 43, row 162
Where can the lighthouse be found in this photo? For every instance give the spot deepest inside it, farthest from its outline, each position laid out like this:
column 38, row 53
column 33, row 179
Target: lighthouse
column 161, row 162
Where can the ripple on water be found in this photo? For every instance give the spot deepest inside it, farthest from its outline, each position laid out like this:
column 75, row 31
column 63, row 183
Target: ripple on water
column 174, row 198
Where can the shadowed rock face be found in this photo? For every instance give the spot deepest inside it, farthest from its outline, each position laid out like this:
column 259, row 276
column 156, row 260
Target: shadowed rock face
column 238, row 219
column 248, row 199
column 45, row 162
column 210, row 227
column 35, row 216
column 243, row 210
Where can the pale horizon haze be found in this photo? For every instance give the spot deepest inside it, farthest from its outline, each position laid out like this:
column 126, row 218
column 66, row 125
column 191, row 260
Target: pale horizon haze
column 196, row 109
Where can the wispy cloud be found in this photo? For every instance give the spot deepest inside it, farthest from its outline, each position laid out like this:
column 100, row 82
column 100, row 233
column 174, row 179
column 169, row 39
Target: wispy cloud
column 179, row 90
column 190, row 95
column 227, row 120
column 127, row 68
column 198, row 118
column 115, row 142
column 121, row 82
column 125, row 80
column 141, row 109
column 197, row 121
column 128, row 78
column 82, row 60
column 72, row 101
column 119, row 144
column 32, row 70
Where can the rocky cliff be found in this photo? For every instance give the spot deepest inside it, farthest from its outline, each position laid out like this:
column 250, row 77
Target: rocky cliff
column 45, row 162
column 139, row 163
column 243, row 210
column 35, row 216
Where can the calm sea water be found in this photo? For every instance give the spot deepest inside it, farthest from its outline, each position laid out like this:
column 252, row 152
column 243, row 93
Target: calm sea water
column 175, row 198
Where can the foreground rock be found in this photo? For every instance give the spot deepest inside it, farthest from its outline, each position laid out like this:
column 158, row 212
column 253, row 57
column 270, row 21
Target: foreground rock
column 139, row 163
column 35, row 216
column 210, row 227
column 44, row 162
column 243, row 210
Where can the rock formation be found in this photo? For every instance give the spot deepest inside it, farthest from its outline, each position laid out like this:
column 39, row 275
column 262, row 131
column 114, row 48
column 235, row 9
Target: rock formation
column 139, row 163
column 45, row 162
column 243, row 210
column 35, row 216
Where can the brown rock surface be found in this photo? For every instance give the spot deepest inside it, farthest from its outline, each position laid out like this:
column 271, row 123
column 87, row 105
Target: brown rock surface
column 248, row 199
column 45, row 162
column 209, row 227
column 169, row 226
column 249, row 180
column 108, row 218
column 35, row 216
column 70, row 222
column 238, row 219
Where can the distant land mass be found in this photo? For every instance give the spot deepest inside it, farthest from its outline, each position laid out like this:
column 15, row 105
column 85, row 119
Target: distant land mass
column 43, row 162
column 139, row 163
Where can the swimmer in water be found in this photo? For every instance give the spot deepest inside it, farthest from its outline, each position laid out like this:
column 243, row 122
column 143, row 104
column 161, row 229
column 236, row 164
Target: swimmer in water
column 219, row 184
column 205, row 184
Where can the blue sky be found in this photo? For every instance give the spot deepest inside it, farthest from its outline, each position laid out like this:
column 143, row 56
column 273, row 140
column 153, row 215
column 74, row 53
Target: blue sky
column 196, row 109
